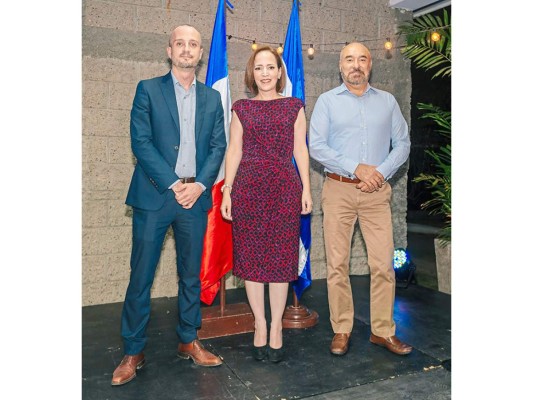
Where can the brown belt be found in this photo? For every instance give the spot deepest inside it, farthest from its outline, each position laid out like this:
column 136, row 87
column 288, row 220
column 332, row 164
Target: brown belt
column 187, row 180
column 342, row 178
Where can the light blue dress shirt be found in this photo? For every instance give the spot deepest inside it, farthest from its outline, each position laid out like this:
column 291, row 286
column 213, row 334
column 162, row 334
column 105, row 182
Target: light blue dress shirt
column 186, row 101
column 346, row 130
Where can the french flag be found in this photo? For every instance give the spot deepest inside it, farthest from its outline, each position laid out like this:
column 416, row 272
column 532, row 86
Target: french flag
column 217, row 257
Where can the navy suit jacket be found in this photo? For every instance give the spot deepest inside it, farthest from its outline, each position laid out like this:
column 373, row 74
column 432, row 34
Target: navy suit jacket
column 155, row 140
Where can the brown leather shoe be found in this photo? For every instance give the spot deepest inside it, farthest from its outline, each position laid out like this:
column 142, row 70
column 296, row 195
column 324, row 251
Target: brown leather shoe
column 339, row 344
column 127, row 368
column 199, row 355
column 392, row 343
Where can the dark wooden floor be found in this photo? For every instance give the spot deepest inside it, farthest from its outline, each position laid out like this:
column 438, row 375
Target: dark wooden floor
column 423, row 318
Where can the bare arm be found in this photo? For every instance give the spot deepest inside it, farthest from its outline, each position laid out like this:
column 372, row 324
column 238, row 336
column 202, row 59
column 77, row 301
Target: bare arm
column 233, row 159
column 301, row 156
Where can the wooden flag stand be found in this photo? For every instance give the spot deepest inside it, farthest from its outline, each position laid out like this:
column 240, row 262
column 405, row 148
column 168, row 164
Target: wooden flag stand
column 226, row 319
column 232, row 319
column 298, row 316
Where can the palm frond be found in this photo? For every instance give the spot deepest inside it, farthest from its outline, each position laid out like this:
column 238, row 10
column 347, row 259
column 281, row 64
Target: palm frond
column 419, row 47
column 442, row 118
column 439, row 183
column 434, row 56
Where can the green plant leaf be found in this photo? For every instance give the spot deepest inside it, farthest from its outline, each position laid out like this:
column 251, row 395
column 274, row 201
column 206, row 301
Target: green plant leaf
column 437, row 57
column 422, row 50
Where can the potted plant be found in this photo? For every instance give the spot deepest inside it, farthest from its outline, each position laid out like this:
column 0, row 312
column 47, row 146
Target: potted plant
column 428, row 45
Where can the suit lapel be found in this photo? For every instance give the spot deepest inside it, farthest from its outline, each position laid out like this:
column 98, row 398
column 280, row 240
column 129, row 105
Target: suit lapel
column 201, row 94
column 167, row 87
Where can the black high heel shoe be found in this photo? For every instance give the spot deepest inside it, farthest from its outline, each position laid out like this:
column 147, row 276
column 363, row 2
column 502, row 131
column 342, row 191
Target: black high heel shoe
column 276, row 355
column 260, row 353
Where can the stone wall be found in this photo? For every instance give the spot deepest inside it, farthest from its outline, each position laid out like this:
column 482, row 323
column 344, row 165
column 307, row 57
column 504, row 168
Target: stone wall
column 125, row 40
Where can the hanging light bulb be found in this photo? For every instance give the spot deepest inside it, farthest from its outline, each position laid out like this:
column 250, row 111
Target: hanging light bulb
column 254, row 46
column 280, row 49
column 435, row 36
column 310, row 50
column 388, row 44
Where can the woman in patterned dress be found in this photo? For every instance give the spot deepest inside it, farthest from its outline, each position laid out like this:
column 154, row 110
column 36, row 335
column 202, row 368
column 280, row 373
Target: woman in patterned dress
column 263, row 194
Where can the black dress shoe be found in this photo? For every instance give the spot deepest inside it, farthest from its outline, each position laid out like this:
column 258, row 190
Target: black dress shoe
column 260, row 353
column 275, row 355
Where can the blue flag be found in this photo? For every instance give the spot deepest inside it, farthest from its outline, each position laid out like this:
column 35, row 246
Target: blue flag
column 295, row 87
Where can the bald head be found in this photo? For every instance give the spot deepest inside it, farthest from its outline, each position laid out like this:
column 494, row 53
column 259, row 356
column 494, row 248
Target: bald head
column 355, row 48
column 355, row 64
column 185, row 48
column 184, row 30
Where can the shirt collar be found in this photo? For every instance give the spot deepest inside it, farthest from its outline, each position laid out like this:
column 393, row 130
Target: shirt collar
column 342, row 88
column 175, row 80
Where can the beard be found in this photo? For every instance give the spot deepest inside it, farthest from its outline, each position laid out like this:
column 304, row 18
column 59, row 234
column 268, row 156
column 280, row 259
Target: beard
column 362, row 79
column 185, row 64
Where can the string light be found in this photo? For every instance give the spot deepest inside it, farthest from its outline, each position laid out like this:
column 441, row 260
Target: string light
column 435, row 36
column 388, row 45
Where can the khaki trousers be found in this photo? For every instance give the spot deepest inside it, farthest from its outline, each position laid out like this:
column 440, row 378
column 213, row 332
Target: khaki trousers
column 343, row 204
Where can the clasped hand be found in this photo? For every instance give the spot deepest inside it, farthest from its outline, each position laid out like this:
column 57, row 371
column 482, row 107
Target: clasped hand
column 371, row 178
column 186, row 194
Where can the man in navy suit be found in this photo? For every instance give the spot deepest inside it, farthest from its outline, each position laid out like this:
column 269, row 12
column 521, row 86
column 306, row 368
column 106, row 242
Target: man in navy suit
column 177, row 136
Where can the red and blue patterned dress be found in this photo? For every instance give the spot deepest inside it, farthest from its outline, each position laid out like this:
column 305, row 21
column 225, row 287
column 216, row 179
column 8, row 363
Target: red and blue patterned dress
column 267, row 192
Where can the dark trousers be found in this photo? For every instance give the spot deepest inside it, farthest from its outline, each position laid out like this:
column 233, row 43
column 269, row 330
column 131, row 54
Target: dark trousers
column 149, row 230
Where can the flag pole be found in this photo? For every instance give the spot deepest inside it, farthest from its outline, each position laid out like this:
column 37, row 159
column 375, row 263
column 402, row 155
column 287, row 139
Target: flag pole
column 298, row 316
column 217, row 259
column 222, row 296
column 226, row 319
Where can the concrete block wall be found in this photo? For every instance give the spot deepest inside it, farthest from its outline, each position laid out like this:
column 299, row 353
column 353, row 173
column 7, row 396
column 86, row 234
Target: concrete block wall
column 124, row 41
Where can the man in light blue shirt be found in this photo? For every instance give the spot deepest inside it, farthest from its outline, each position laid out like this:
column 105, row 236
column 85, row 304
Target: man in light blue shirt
column 359, row 135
